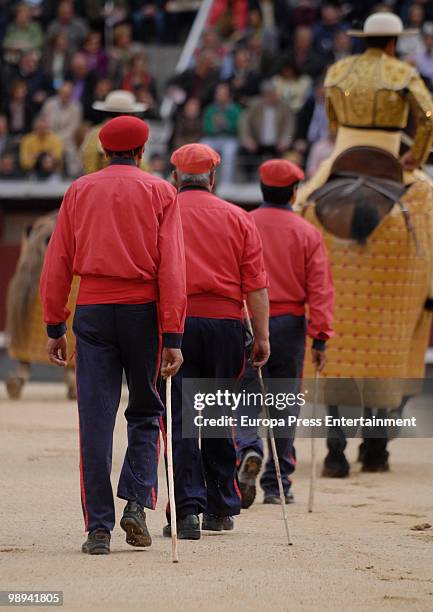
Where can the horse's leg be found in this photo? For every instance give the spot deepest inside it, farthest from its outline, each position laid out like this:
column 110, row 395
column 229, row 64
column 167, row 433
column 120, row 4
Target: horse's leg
column 17, row 379
column 336, row 464
column 372, row 452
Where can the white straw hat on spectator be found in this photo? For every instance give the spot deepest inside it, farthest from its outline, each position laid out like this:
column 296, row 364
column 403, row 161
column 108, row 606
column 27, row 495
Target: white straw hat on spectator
column 382, row 24
column 120, row 101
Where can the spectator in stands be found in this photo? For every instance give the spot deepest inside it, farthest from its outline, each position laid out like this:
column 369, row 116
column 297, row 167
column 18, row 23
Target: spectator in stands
column 211, row 41
column 40, row 140
column 292, row 86
column 38, row 84
column 144, row 96
column 267, row 127
column 304, row 13
column 97, row 58
column 83, row 82
column 47, row 168
column 138, row 75
column 277, row 20
column 220, row 129
column 9, row 167
column 262, row 59
column 342, row 46
column 198, row 82
column 189, row 125
column 150, row 18
column 303, row 55
column 244, row 82
column 424, row 57
column 157, row 165
column 229, row 15
column 64, row 116
column 123, row 49
column 325, row 30
column 74, row 28
column 6, row 142
column 319, row 151
column 319, row 125
column 312, row 121
column 100, row 92
column 57, row 58
column 23, row 34
column 17, row 108
column 410, row 45
column 98, row 11
column 261, row 23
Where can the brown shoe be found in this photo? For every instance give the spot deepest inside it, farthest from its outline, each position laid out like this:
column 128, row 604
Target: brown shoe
column 133, row 522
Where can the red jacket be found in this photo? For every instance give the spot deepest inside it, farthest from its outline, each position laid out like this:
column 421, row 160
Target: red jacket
column 224, row 256
column 119, row 229
column 298, row 268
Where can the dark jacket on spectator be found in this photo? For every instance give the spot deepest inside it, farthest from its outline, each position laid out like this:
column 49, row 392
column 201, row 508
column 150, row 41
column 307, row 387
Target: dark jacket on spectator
column 187, row 131
column 196, row 86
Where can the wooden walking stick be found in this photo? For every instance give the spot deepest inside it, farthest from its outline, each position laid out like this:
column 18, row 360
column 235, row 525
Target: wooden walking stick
column 170, row 474
column 272, row 440
column 313, row 448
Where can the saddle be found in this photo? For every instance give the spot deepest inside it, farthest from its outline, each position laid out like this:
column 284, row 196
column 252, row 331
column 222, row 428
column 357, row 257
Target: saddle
column 363, row 186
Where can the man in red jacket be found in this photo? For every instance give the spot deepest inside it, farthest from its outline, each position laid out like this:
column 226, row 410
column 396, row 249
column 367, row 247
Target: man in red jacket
column 119, row 229
column 299, row 278
column 224, row 261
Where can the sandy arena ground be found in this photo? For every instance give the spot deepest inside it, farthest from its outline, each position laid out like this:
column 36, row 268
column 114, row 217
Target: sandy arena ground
column 356, row 552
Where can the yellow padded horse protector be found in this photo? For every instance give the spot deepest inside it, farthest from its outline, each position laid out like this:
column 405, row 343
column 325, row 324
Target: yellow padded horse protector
column 381, row 287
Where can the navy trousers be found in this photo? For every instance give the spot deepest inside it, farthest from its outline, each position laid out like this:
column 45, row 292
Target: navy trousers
column 112, row 339
column 206, row 478
column 287, row 340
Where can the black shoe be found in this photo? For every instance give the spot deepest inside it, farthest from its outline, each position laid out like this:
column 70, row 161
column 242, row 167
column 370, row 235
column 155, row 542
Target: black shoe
column 213, row 522
column 275, row 499
column 228, row 523
column 335, row 465
column 133, row 522
column 188, row 528
column 97, row 543
column 248, row 471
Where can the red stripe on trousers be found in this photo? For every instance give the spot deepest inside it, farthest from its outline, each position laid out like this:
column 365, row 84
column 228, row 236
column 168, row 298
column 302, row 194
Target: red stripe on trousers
column 82, row 487
column 238, row 493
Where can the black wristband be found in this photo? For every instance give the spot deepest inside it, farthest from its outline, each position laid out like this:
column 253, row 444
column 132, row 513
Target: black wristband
column 172, row 340
column 56, row 331
column 319, row 345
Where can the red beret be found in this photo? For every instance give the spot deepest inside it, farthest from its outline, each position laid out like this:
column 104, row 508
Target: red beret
column 195, row 159
column 124, row 133
column 280, row 173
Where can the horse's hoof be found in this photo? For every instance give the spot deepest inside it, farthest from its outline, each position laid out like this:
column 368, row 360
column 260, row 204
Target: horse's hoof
column 335, row 465
column 14, row 386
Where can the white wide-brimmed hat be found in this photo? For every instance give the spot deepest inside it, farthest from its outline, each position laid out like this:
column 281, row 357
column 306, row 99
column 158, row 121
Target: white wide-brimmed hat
column 120, row 101
column 382, row 24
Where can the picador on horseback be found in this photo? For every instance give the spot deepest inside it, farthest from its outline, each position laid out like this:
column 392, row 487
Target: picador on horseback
column 375, row 211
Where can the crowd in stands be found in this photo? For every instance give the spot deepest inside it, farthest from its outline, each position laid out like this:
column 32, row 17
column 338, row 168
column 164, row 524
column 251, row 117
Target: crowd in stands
column 254, row 88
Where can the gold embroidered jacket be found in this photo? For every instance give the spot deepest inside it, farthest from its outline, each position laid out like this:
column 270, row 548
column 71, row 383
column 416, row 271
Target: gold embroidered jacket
column 374, row 90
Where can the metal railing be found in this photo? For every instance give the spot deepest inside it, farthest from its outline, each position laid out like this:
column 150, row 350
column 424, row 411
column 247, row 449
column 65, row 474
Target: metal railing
column 167, row 105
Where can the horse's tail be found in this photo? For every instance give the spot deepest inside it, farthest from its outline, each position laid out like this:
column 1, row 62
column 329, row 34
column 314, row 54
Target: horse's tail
column 24, row 286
